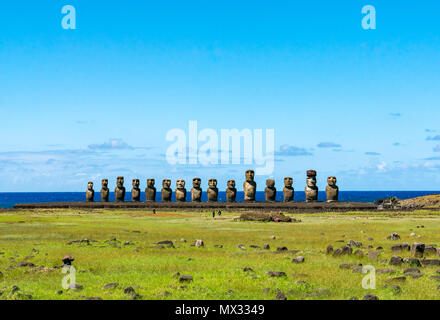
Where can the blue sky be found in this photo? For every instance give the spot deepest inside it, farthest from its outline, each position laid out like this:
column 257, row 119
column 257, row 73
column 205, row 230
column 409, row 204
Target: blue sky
column 98, row 101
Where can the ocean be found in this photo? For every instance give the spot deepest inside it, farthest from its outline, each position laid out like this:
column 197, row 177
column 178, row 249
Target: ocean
column 9, row 199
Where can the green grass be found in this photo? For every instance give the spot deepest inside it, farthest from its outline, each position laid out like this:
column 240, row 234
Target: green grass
column 216, row 271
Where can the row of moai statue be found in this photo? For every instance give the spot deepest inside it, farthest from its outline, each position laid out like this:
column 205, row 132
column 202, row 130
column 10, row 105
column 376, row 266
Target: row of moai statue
column 249, row 189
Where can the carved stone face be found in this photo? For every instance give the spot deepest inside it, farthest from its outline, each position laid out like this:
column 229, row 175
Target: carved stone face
column 311, row 182
column 288, row 181
column 197, row 182
column 212, row 183
column 231, row 184
column 270, row 183
column 120, row 182
column 135, row 183
column 90, row 185
column 250, row 175
column 104, row 183
column 150, row 183
column 166, row 183
column 331, row 181
column 180, row 184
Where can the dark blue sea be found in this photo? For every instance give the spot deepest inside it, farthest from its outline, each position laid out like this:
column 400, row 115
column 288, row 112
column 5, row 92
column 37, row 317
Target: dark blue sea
column 9, row 199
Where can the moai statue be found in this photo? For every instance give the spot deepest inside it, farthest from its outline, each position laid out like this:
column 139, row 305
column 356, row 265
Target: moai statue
column 332, row 190
column 196, row 191
column 249, row 186
column 311, row 188
column 90, row 193
column 166, row 191
column 270, row 191
column 288, row 191
column 119, row 190
column 212, row 191
column 231, row 191
column 135, row 191
column 105, row 191
column 150, row 190
column 180, row 190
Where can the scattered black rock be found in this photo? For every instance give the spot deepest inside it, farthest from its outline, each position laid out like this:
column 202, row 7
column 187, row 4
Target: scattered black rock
column 266, row 247
column 75, row 286
column 199, row 243
column 26, row 264
column 111, row 285
column 385, row 271
column 299, row 259
column 185, row 278
column 370, row 297
column 329, row 249
column 395, row 261
column 280, row 295
column 345, row 250
column 394, row 287
column 412, row 262
column 417, row 249
column 431, row 262
column 282, row 249
column 355, row 244
column 393, row 236
column 275, row 273
column 248, row 269
column 166, row 243
column 401, row 247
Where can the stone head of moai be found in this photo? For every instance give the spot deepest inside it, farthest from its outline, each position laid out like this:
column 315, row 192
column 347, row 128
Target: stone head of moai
column 196, row 191
column 166, row 190
column 231, row 192
column 331, row 181
column 90, row 193
column 150, row 183
column 180, row 184
column 180, row 190
column 166, row 183
column 270, row 183
column 270, row 191
column 249, row 186
column 104, row 190
column 135, row 183
column 212, row 183
column 120, row 189
column 311, row 189
column 120, row 182
column 288, row 182
column 311, row 178
column 212, row 191
column 197, row 182
column 332, row 190
column 250, row 174
column 288, row 191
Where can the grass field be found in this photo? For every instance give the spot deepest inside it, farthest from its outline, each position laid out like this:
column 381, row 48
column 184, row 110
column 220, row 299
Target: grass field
column 41, row 237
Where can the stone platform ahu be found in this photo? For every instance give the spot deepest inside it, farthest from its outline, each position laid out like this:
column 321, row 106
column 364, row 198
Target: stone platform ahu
column 249, row 188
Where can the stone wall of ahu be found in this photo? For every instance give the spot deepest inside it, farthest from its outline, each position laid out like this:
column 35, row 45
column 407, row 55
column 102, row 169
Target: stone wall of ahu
column 249, row 189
